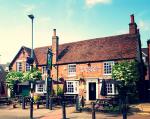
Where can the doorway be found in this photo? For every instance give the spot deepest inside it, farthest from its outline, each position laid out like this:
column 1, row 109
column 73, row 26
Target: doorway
column 92, row 90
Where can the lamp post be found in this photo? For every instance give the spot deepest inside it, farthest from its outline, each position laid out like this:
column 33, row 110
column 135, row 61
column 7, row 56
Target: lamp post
column 49, row 79
column 63, row 100
column 31, row 58
column 30, row 61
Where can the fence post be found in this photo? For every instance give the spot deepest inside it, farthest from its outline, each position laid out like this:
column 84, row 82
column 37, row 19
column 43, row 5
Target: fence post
column 31, row 108
column 51, row 103
column 38, row 104
column 77, row 104
column 93, row 110
column 63, row 107
column 23, row 102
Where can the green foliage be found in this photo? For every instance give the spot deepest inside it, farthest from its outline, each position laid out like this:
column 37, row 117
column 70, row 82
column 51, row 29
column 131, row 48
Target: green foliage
column 34, row 75
column 12, row 77
column 126, row 71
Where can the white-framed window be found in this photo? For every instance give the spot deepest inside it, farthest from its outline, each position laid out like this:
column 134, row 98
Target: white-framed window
column 27, row 67
column 72, row 69
column 108, row 67
column 19, row 66
column 110, row 89
column 40, row 88
column 72, row 87
column 44, row 71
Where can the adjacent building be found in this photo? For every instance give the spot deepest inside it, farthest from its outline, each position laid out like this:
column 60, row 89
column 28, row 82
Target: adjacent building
column 84, row 64
column 3, row 73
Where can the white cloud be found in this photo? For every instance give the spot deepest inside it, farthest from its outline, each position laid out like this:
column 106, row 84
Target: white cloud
column 144, row 25
column 29, row 8
column 94, row 2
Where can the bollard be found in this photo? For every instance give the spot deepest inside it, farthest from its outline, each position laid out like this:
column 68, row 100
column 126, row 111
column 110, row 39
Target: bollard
column 51, row 103
column 31, row 108
column 124, row 111
column 63, row 108
column 38, row 104
column 23, row 103
column 77, row 104
column 82, row 101
column 93, row 110
column 47, row 101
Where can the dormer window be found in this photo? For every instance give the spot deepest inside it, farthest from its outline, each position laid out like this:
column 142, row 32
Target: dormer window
column 72, row 69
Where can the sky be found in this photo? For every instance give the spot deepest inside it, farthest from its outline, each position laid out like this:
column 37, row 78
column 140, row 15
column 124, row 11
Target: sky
column 74, row 20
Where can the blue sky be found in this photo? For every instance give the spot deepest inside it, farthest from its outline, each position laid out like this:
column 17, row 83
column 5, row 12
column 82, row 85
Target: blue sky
column 74, row 20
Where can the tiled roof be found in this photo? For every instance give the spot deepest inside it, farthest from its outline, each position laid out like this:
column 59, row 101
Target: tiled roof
column 41, row 54
column 98, row 49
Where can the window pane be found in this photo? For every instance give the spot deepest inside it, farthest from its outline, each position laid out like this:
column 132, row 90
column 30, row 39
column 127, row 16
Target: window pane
column 27, row 67
column 19, row 66
column 72, row 87
column 71, row 69
column 108, row 67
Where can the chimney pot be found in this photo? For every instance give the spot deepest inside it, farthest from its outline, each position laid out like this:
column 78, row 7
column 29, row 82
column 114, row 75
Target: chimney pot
column 54, row 32
column 132, row 18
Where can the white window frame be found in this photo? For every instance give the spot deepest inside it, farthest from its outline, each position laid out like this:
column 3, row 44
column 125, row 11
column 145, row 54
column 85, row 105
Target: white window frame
column 75, row 87
column 112, row 88
column 70, row 71
column 18, row 67
column 108, row 64
column 42, row 90
column 27, row 66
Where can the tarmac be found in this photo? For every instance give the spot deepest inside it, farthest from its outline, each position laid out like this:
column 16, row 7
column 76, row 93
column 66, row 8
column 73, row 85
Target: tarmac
column 138, row 111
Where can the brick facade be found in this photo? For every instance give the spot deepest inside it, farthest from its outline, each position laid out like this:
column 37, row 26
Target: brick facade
column 89, row 57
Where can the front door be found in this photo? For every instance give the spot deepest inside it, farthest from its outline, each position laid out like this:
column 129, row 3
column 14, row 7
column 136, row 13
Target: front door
column 92, row 91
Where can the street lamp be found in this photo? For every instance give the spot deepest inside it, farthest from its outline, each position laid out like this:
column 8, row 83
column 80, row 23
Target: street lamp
column 30, row 61
column 31, row 17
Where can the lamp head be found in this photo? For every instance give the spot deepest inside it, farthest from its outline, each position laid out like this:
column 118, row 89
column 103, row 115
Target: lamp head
column 31, row 16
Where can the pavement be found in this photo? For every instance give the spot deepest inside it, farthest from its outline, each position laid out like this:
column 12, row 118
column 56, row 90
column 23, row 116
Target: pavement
column 138, row 111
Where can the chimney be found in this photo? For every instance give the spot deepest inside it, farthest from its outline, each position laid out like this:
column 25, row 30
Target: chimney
column 132, row 25
column 55, row 42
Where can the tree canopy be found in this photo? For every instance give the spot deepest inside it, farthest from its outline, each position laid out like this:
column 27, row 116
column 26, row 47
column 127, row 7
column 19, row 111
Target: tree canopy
column 126, row 71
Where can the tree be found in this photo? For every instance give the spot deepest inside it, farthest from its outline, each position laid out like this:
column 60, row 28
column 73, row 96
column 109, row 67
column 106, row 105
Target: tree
column 127, row 74
column 126, row 71
column 12, row 79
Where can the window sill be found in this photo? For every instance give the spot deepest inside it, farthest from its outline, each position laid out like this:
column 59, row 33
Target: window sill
column 71, row 75
column 107, row 74
column 72, row 93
